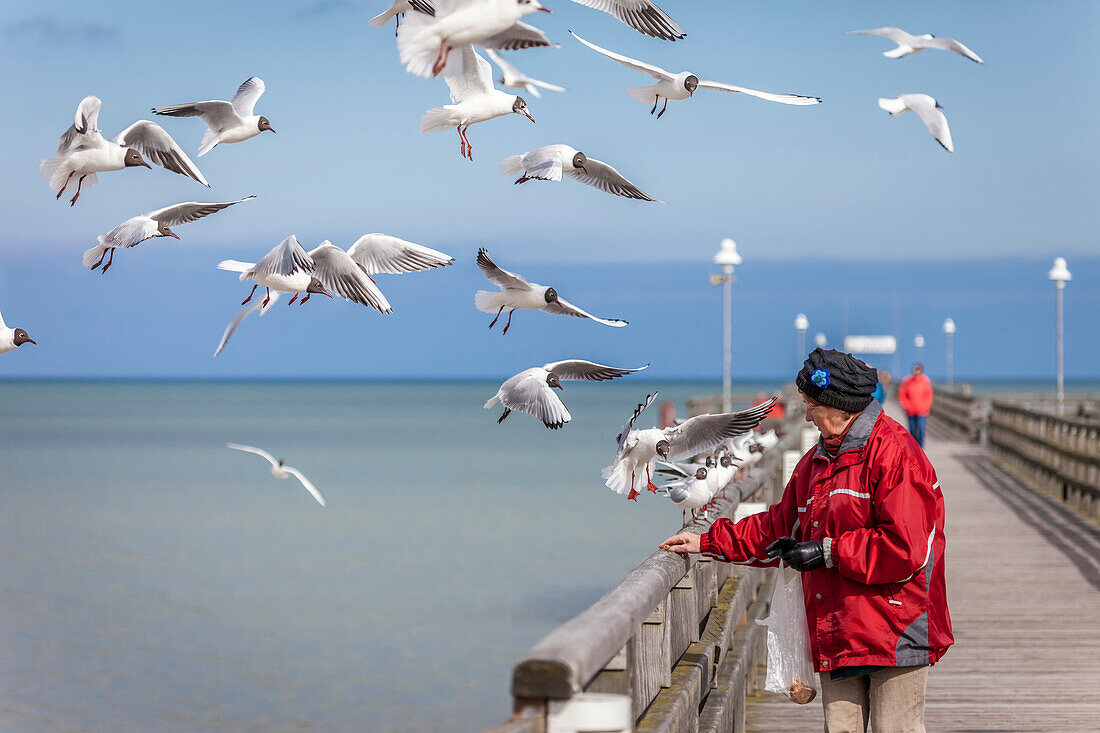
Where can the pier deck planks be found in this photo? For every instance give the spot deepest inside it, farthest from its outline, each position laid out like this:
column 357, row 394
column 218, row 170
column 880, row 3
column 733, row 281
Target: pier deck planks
column 1023, row 585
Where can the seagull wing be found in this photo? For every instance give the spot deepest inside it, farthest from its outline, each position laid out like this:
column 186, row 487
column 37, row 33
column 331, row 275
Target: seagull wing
column 518, row 36
column 338, row 272
column 897, row 35
column 562, row 307
column 649, row 69
column 307, row 483
column 217, row 115
column 150, row 139
column 935, row 120
column 545, row 85
column 608, row 180
column 545, row 163
column 641, row 15
column 244, row 101
column 130, row 233
column 423, row 6
column 232, row 327
column 250, row 449
column 502, row 278
column 503, row 63
column 706, row 431
column 796, row 99
column 285, row 258
column 383, row 253
column 579, row 369
column 535, row 397
column 467, row 74
column 674, row 469
column 621, row 438
column 950, row 44
column 85, row 128
column 190, row 211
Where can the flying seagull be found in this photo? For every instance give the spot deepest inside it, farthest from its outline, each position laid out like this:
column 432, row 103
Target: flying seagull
column 910, row 44
column 398, row 8
column 226, row 122
column 928, row 109
column 154, row 224
column 515, row 293
column 12, row 338
column 683, row 85
column 548, row 163
column 83, row 151
column 279, row 469
column 641, row 15
column 532, row 390
column 513, row 78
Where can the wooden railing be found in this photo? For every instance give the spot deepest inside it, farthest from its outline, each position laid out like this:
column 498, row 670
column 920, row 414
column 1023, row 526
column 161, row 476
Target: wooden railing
column 960, row 412
column 1059, row 456
column 677, row 636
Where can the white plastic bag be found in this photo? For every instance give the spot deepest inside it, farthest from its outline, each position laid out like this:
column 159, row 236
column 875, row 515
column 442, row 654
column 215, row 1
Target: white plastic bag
column 790, row 669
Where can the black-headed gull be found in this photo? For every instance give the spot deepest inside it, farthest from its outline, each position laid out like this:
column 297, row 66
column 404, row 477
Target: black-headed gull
column 909, row 44
column 424, row 42
column 475, row 100
column 928, row 109
column 279, row 469
column 513, row 78
column 516, row 293
column 642, row 15
column 287, row 268
column 83, row 151
column 689, row 488
column 146, row 226
column 675, row 87
column 398, row 8
column 549, row 162
column 640, row 448
column 226, row 122
column 532, row 390
column 12, row 338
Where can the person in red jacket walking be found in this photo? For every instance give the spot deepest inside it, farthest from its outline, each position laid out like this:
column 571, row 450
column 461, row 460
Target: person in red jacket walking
column 862, row 519
column 915, row 396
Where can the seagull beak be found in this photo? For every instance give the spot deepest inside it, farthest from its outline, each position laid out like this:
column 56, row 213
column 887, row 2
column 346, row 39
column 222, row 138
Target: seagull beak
column 147, row 165
column 173, row 234
column 528, row 115
column 31, row 341
column 327, row 293
column 584, row 169
column 544, row 9
column 271, row 129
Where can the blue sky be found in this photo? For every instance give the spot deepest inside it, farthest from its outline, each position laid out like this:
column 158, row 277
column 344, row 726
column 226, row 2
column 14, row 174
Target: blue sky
column 815, row 196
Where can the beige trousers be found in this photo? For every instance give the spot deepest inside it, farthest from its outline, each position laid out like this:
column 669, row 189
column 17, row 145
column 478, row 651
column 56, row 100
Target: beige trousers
column 891, row 698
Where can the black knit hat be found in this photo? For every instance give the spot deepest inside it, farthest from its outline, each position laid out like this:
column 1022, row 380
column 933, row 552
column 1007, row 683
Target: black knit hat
column 837, row 379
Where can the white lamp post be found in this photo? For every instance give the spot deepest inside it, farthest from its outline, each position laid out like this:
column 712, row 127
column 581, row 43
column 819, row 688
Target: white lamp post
column 918, row 341
column 1060, row 275
column 949, row 335
column 727, row 257
column 801, row 323
column 820, row 340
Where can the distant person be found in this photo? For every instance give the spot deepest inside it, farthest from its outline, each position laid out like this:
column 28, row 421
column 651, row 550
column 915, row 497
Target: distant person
column 862, row 520
column 915, row 396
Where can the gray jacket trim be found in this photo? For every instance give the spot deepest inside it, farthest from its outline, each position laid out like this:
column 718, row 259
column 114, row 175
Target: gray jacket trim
column 913, row 645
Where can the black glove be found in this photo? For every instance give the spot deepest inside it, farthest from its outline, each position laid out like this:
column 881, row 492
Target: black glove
column 801, row 556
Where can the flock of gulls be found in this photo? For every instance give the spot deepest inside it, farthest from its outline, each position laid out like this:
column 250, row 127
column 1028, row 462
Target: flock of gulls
column 442, row 37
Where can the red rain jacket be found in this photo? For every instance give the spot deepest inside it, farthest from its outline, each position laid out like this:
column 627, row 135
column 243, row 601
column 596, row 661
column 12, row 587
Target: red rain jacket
column 915, row 395
column 881, row 600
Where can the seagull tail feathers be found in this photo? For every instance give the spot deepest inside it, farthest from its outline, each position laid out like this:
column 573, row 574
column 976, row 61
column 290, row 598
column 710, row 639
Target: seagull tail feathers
column 94, row 254
column 492, row 401
column 382, row 18
column 645, row 95
column 437, row 119
column 897, row 53
column 56, row 172
column 418, row 44
column 893, row 106
column 209, row 141
column 488, row 302
column 235, row 265
column 511, row 165
column 617, row 478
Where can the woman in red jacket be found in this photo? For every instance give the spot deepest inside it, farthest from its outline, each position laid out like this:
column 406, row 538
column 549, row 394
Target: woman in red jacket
column 862, row 519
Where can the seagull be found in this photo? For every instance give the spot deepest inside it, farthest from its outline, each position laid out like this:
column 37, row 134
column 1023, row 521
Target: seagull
column 641, row 15
column 226, row 122
column 690, row 488
column 154, row 224
column 683, row 85
column 513, row 78
column 548, row 163
column 287, row 268
column 909, row 44
column 532, row 390
column 517, row 293
column 928, row 109
column 279, row 469
column 398, row 8
column 425, row 42
column 12, row 338
column 474, row 99
column 638, row 448
column 83, row 152
column 263, row 306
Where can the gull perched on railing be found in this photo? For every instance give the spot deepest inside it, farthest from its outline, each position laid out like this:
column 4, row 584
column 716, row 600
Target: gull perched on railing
column 909, row 44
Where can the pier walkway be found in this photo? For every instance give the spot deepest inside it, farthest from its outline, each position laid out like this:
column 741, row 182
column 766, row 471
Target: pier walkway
column 1023, row 585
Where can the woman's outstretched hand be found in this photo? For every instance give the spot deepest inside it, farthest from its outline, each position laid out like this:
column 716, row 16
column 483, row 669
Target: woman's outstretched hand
column 683, row 543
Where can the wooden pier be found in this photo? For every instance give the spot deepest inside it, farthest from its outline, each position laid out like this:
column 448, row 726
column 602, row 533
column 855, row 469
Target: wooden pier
column 678, row 639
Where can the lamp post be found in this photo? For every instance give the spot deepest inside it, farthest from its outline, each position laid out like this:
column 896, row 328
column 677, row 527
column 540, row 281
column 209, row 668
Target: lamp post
column 918, row 341
column 1060, row 275
column 801, row 323
column 727, row 257
column 820, row 341
column 949, row 335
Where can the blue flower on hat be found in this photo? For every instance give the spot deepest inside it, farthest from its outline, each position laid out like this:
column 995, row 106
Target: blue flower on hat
column 820, row 377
